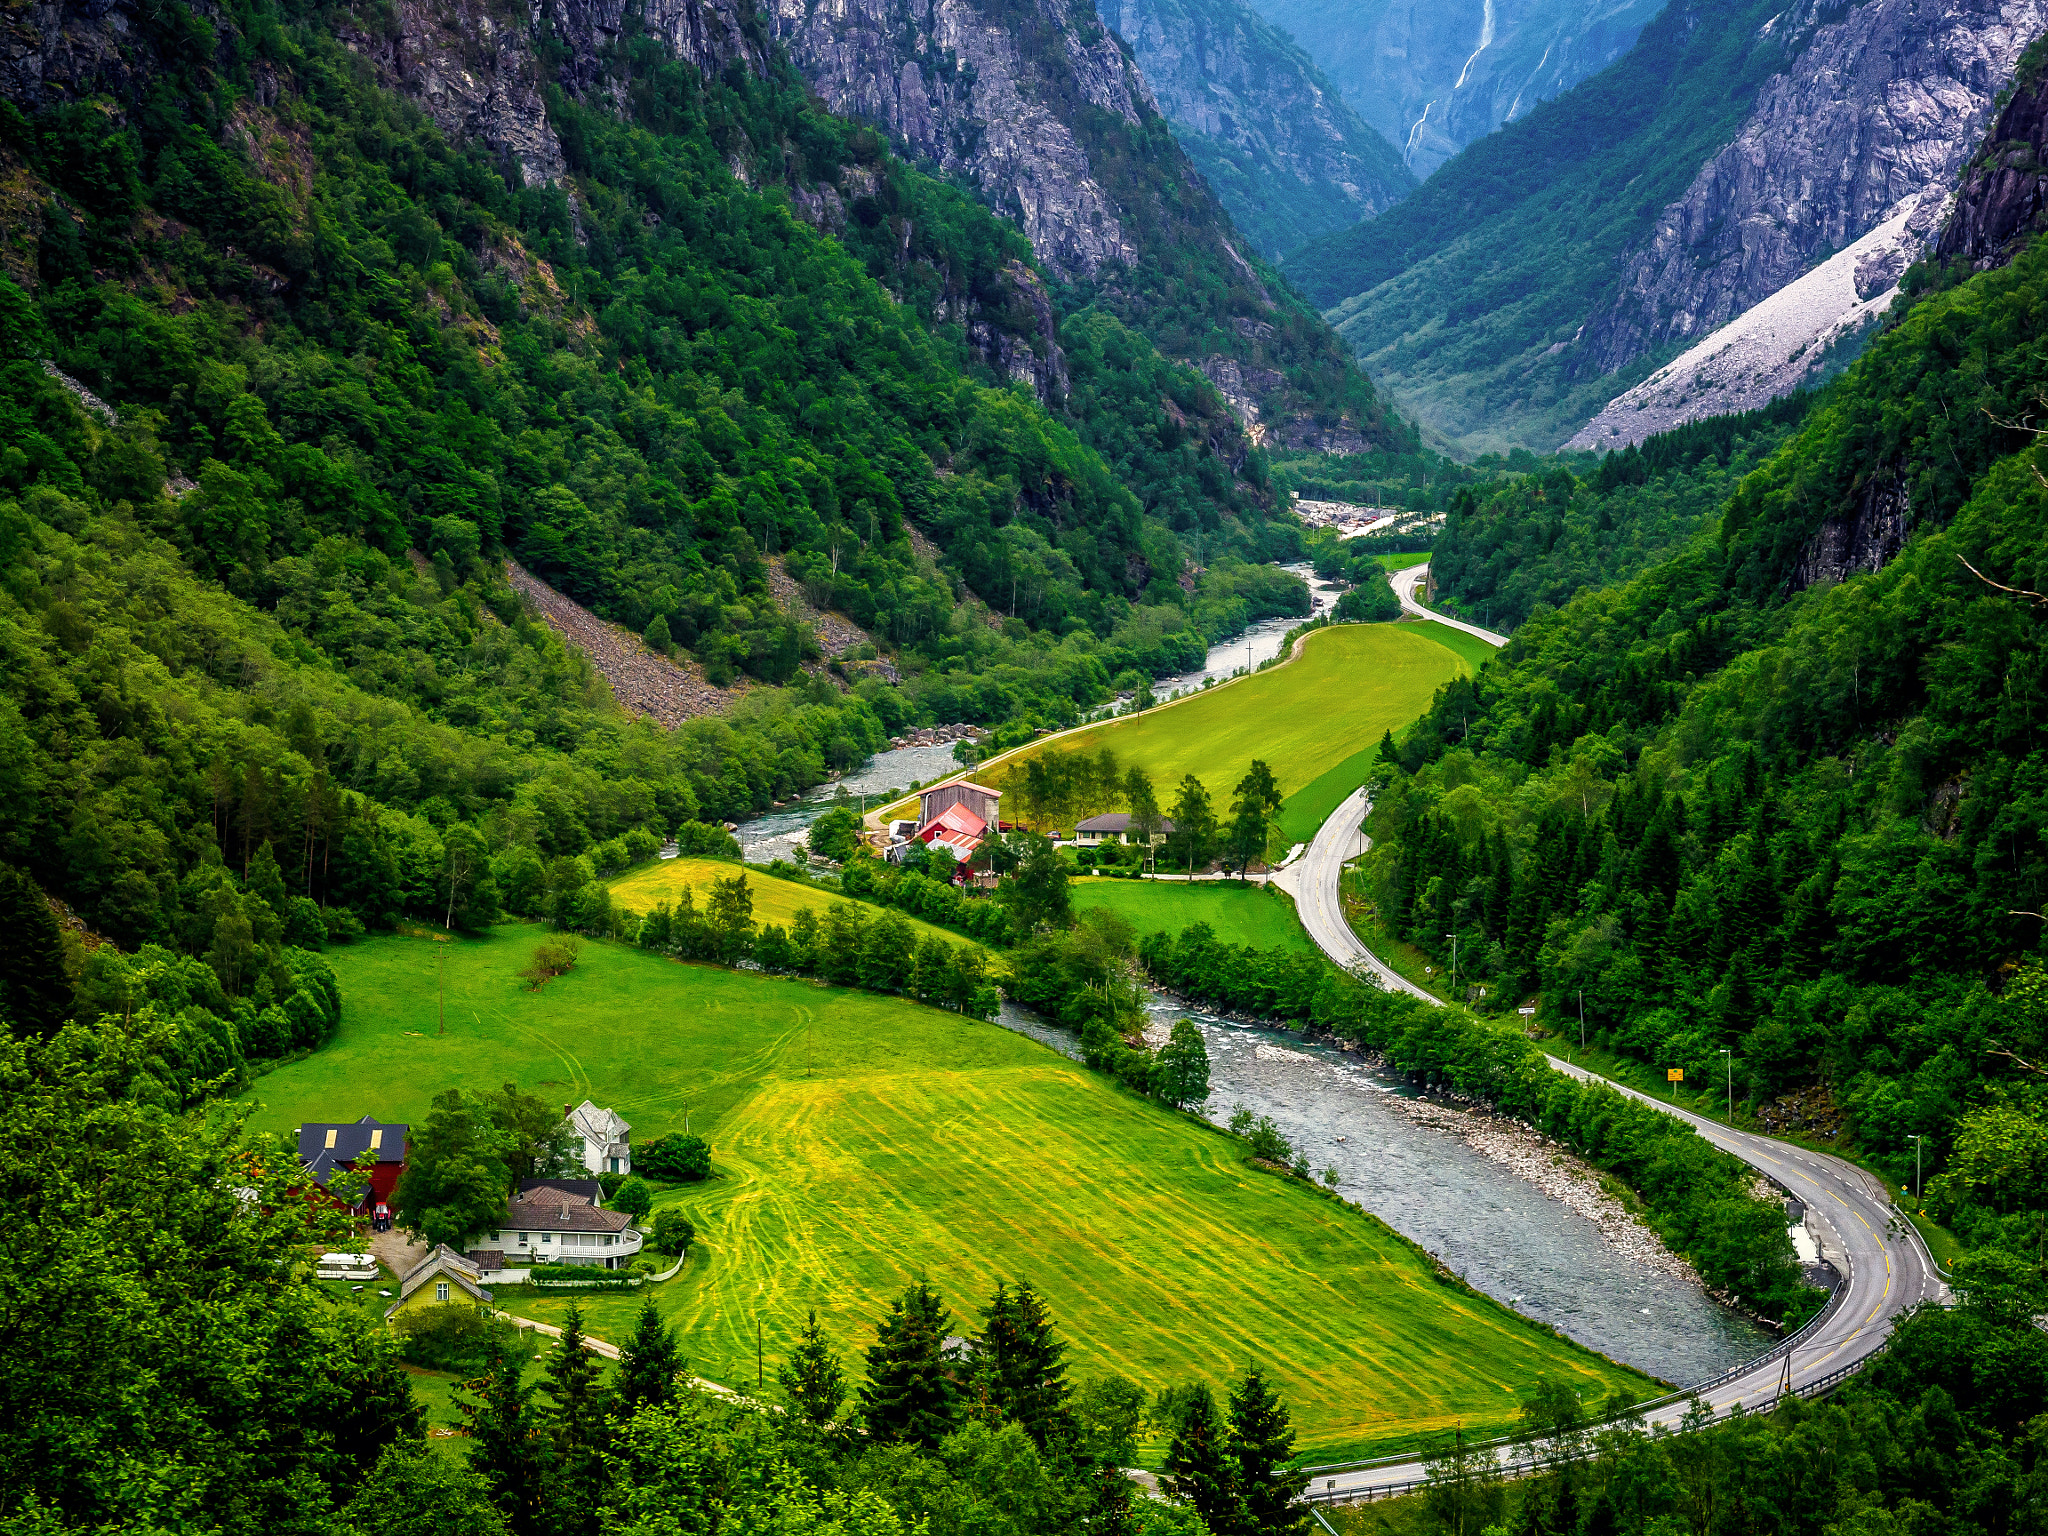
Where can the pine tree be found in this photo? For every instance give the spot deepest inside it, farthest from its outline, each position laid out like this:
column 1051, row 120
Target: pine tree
column 648, row 1366
column 579, row 1434
column 1262, row 1446
column 505, row 1447
column 35, row 998
column 1024, row 1364
column 909, row 1394
column 1199, row 1469
column 812, row 1378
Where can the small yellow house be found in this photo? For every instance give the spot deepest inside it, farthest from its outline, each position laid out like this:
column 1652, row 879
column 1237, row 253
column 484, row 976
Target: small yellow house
column 442, row 1278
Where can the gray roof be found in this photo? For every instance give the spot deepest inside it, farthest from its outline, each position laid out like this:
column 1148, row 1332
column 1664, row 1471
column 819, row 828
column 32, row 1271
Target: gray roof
column 351, row 1139
column 555, row 1210
column 575, row 1189
column 1115, row 821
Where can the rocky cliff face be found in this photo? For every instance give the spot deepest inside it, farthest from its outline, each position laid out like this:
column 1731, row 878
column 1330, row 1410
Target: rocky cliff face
column 1433, row 78
column 1880, row 107
column 988, row 95
column 2003, row 199
column 1281, row 149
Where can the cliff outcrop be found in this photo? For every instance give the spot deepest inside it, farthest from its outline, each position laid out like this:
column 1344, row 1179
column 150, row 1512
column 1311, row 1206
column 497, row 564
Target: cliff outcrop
column 1879, row 106
column 1280, row 148
column 993, row 99
column 2003, row 199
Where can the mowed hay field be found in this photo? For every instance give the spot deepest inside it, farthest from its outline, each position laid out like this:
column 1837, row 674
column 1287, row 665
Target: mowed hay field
column 1261, row 916
column 1314, row 720
column 775, row 901
column 860, row 1141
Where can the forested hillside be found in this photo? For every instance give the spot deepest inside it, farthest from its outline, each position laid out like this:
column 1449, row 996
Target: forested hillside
column 1545, row 535
column 1743, row 802
column 255, row 599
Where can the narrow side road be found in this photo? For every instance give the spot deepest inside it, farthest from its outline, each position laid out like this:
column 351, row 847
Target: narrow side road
column 1407, row 583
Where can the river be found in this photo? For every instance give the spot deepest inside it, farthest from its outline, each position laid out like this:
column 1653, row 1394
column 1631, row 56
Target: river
column 1497, row 1230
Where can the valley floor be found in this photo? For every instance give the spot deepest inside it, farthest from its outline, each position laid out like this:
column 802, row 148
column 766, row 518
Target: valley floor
column 861, row 1141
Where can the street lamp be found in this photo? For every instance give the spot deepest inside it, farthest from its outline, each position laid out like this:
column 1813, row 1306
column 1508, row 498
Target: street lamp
column 1916, row 1140
column 1582, row 1020
column 1731, row 1083
column 1454, row 963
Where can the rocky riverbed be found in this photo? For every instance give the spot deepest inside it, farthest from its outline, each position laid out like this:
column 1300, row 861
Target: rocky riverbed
column 1558, row 1173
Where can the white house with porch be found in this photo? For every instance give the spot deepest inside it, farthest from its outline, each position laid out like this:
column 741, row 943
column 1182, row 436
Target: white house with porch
column 557, row 1221
column 607, row 1139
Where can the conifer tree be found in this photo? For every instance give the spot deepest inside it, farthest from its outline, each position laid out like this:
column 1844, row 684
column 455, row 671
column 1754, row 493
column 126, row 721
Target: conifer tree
column 1262, row 1447
column 505, row 1447
column 812, row 1378
column 648, row 1366
column 579, row 1434
column 909, row 1395
column 1199, row 1469
column 1022, row 1364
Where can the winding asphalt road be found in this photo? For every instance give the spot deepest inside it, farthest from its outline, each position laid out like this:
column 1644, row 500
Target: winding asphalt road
column 1407, row 583
column 1886, row 1267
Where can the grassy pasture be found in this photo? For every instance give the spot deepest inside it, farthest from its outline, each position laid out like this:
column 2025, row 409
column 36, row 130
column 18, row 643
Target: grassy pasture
column 861, row 1140
column 1255, row 915
column 775, row 901
column 1348, row 686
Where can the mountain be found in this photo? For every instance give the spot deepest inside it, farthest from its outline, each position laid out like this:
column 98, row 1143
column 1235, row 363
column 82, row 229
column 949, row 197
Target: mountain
column 1517, row 293
column 1036, row 105
column 1283, row 152
column 2003, row 200
column 1434, row 78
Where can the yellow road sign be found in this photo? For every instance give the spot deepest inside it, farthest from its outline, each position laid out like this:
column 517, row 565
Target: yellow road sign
column 1675, row 1075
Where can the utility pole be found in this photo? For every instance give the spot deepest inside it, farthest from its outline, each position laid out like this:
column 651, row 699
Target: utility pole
column 441, row 987
column 1454, row 964
column 1917, row 1140
column 1731, row 1084
column 1582, row 1020
column 758, row 1378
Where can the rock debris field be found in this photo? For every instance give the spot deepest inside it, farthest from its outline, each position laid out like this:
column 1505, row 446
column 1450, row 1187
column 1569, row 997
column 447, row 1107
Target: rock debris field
column 643, row 682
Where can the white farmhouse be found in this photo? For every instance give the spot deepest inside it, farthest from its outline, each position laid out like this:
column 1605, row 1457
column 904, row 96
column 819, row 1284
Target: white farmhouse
column 558, row 1221
column 607, row 1140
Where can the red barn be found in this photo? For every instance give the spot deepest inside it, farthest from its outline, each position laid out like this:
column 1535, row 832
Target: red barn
column 326, row 1147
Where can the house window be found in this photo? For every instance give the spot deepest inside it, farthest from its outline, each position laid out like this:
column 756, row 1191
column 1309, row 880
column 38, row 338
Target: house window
column 547, row 1237
column 525, row 1238
column 440, row 1290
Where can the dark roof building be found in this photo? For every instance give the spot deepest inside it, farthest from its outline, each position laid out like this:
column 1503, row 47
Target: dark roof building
column 587, row 1190
column 1115, row 824
column 326, row 1146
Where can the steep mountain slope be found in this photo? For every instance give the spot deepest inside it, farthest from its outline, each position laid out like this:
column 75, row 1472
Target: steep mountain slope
column 1781, row 794
column 2003, row 199
column 1037, row 105
column 1434, row 78
column 1750, row 141
column 1284, row 154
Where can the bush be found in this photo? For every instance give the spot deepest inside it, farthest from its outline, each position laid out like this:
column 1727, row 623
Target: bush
column 610, row 1182
column 673, row 1233
column 448, row 1338
column 687, row 1158
column 342, row 925
column 557, row 957
column 634, row 1198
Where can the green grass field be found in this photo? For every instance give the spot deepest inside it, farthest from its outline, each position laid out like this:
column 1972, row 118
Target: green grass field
column 860, row 1140
column 1260, row 916
column 1469, row 648
column 1407, row 562
column 1349, row 686
column 775, row 901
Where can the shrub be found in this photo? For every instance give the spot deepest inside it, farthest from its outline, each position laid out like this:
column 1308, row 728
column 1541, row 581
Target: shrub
column 673, row 1232
column 342, row 925
column 557, row 957
column 450, row 1338
column 634, row 1198
column 677, row 1157
column 610, row 1182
